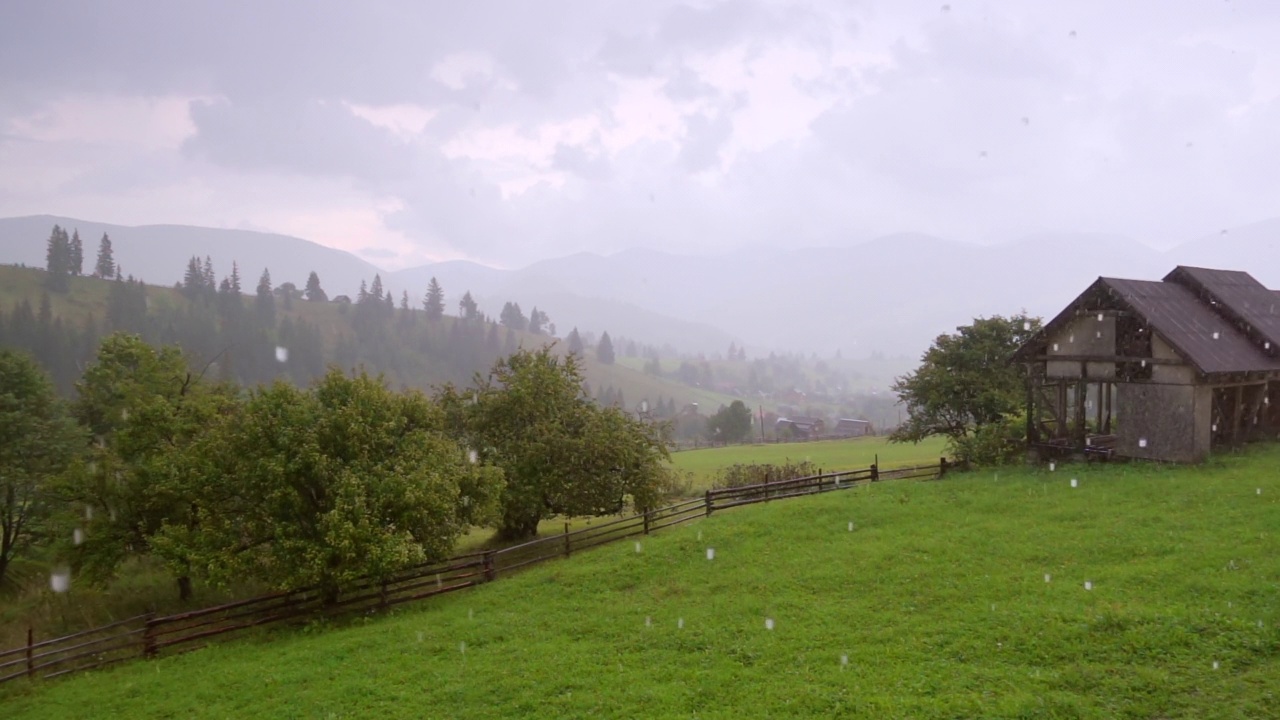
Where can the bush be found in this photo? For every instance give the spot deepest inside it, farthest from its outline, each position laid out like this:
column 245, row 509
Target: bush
column 741, row 474
column 998, row 443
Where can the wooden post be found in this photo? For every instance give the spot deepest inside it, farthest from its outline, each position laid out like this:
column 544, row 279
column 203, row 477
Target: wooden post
column 31, row 641
column 383, row 594
column 1031, row 404
column 708, row 503
column 149, row 637
column 489, row 571
column 942, row 468
column 1237, row 416
column 566, row 539
column 647, row 516
column 767, row 480
column 875, row 470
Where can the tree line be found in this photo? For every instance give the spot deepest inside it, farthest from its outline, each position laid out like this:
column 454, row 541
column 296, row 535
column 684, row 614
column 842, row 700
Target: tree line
column 294, row 486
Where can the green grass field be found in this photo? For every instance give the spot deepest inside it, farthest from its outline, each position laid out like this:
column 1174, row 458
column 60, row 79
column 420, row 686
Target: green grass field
column 960, row 598
column 848, row 454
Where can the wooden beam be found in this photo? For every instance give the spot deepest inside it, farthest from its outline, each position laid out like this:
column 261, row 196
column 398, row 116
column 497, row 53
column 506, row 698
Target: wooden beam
column 1107, row 359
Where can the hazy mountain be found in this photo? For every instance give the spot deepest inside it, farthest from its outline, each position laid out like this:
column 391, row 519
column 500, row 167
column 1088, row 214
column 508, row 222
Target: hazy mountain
column 891, row 294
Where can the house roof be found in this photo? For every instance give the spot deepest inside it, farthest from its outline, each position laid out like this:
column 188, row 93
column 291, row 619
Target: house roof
column 1217, row 320
column 1203, row 337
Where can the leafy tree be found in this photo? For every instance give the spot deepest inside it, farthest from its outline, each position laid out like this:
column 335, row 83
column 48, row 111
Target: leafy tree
column 434, row 301
column 575, row 343
column 560, row 453
column 106, row 265
column 314, row 292
column 37, row 441
column 604, row 350
column 145, row 409
column 58, row 261
column 513, row 317
column 539, row 323
column 76, row 254
column 467, row 308
column 731, row 424
column 965, row 381
column 264, row 303
column 330, row 485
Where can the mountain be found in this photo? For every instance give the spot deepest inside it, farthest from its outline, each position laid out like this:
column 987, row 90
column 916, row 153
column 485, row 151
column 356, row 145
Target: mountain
column 1254, row 248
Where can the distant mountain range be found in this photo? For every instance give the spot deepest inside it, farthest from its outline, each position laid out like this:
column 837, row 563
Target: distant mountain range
column 892, row 295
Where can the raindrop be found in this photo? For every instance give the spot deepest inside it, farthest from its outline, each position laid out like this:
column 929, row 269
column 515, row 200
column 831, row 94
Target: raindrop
column 1216, row 335
column 982, row 153
column 1074, row 483
column 1142, row 442
column 1026, row 325
column 1071, row 34
column 648, row 621
column 768, row 623
column 1100, row 316
column 60, row 579
column 1026, row 120
column 88, row 510
column 637, row 547
column 439, row 582
column 419, row 636
column 1215, row 664
column 699, row 536
column 1259, row 491
column 1048, row 577
column 680, row 624
column 1055, row 347
column 1052, row 466
column 282, row 354
column 124, row 414
column 850, row 526
column 711, row 553
column 473, row 457
column 1189, row 143
column 844, row 661
column 471, row 614
column 993, row 607
column 462, row 647
column 77, row 536
column 946, row 8
column 1088, row 585
column 1213, row 427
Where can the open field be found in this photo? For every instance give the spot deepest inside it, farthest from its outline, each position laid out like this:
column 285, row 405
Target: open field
column 827, row 454
column 960, row 598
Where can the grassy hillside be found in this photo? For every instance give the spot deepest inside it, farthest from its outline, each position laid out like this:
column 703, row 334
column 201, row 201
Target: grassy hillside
column 847, row 454
column 960, row 598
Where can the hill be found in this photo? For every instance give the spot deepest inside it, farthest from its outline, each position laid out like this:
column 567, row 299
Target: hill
column 1145, row 592
column 408, row 349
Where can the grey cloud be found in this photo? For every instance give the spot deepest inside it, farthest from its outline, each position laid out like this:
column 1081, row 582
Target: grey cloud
column 705, row 136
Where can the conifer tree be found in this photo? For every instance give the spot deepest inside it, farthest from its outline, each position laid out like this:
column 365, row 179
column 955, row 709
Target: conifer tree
column 106, row 266
column 467, row 307
column 434, row 302
column 58, row 261
column 77, row 254
column 314, row 292
column 235, row 278
column 264, row 303
column 604, row 350
column 575, row 343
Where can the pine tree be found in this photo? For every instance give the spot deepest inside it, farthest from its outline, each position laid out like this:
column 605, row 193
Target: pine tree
column 375, row 290
column 235, row 278
column 193, row 279
column 362, row 297
column 314, row 292
column 604, row 350
column 434, row 302
column 512, row 317
column 535, row 321
column 575, row 343
column 77, row 254
column 58, row 261
column 264, row 303
column 106, row 266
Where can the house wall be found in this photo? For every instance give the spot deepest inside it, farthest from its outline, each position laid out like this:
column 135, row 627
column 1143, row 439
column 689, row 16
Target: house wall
column 1086, row 335
column 1172, row 419
column 1175, row 374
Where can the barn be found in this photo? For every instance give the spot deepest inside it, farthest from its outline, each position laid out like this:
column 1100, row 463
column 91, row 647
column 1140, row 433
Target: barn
column 1173, row 370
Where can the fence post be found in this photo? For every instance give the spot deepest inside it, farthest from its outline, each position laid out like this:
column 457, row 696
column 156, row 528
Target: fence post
column 383, row 594
column 767, row 480
column 647, row 513
column 708, row 503
column 942, row 468
column 566, row 539
column 149, row 637
column 31, row 641
column 875, row 472
column 489, row 571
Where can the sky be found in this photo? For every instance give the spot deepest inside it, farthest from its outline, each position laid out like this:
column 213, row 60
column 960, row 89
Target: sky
column 410, row 132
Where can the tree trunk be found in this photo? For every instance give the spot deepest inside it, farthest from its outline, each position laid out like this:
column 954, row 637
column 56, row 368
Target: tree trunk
column 184, row 588
column 523, row 527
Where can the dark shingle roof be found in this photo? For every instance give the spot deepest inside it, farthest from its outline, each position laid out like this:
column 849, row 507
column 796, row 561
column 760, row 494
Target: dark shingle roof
column 1204, row 337
column 1237, row 296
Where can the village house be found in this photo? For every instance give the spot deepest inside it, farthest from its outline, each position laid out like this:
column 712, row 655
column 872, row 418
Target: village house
column 1172, row 370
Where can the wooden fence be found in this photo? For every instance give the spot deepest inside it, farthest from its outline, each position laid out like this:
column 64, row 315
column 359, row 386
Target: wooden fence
column 151, row 636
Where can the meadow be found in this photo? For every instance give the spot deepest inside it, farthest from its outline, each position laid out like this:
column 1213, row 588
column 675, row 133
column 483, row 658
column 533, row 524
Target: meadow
column 849, row 454
column 1138, row 591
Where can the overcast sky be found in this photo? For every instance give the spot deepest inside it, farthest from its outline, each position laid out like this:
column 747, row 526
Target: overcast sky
column 410, row 131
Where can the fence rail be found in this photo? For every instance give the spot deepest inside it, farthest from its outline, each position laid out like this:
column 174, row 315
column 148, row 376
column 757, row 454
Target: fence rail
column 151, row 636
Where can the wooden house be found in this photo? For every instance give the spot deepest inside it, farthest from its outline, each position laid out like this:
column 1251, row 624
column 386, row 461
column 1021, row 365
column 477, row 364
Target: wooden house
column 801, row 427
column 1171, row 370
column 849, row 427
